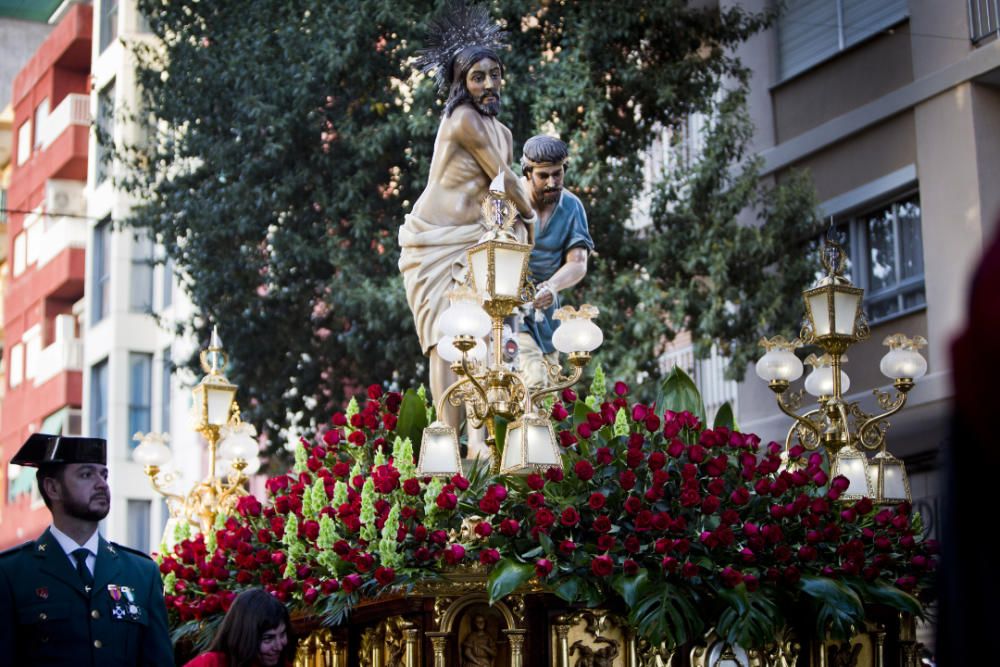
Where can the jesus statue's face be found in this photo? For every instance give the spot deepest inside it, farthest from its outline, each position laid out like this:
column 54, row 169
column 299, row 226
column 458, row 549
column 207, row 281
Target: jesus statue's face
column 483, row 81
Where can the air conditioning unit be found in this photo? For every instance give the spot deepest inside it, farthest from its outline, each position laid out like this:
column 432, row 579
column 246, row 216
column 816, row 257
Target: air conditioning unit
column 64, row 197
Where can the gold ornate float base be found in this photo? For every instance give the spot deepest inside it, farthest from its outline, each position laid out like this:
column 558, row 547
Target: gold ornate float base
column 451, row 624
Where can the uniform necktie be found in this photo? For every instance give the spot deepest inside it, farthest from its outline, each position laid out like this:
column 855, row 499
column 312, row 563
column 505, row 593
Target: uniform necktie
column 81, row 566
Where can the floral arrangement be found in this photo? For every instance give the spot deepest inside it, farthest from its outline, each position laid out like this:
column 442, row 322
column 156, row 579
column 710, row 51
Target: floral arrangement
column 683, row 526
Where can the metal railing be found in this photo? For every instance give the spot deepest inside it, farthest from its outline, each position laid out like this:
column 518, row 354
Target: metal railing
column 984, row 19
column 73, row 110
column 708, row 375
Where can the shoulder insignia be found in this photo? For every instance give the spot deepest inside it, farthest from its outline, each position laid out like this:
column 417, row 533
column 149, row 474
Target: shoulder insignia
column 113, row 546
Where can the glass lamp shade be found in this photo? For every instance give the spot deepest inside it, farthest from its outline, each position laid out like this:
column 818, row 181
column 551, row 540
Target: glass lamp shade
column 887, row 476
column 779, row 364
column 833, row 308
column 499, row 268
column 899, row 364
column 853, row 465
column 253, row 466
column 439, row 453
column 239, row 442
column 530, row 444
column 820, row 381
column 152, row 451
column 447, row 350
column 464, row 318
column 577, row 335
column 213, row 400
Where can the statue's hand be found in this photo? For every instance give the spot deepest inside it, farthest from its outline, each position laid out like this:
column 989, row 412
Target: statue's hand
column 545, row 296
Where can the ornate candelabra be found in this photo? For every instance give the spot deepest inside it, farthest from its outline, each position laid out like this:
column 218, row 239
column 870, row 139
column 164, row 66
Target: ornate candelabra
column 216, row 416
column 834, row 321
column 498, row 268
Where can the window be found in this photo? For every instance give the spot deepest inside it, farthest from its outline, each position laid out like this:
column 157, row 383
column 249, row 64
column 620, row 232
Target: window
column 3, row 205
column 167, row 286
column 105, row 131
column 41, row 114
column 99, row 399
column 140, row 394
column 109, row 23
column 810, row 31
column 141, row 296
column 16, row 370
column 101, row 268
column 886, row 257
column 24, row 142
column 137, row 528
column 166, row 369
column 20, row 253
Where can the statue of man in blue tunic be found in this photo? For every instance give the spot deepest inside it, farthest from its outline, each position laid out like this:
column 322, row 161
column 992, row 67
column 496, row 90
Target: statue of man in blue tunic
column 559, row 258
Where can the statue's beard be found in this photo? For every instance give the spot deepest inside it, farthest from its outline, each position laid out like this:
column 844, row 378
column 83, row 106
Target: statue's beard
column 551, row 195
column 488, row 104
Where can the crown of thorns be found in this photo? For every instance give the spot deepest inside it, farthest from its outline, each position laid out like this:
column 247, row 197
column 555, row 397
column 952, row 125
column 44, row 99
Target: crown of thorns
column 459, row 27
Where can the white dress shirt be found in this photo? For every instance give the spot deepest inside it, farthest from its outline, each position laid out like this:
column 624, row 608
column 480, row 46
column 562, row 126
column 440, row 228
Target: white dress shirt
column 69, row 545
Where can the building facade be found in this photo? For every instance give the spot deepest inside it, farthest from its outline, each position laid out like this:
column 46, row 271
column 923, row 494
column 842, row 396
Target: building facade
column 43, row 350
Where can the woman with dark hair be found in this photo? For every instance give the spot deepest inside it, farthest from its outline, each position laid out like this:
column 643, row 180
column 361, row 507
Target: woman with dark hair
column 256, row 632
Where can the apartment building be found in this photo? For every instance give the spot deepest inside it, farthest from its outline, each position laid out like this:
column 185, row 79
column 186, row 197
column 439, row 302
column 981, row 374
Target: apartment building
column 893, row 108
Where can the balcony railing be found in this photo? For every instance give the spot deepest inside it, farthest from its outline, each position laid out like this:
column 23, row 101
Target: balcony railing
column 984, row 19
column 73, row 110
column 708, row 374
column 61, row 233
column 64, row 354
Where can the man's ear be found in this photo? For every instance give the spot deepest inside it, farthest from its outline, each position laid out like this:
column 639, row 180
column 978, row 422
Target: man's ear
column 53, row 488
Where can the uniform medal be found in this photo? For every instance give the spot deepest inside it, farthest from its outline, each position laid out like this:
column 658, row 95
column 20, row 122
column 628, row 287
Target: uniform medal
column 117, row 610
column 133, row 610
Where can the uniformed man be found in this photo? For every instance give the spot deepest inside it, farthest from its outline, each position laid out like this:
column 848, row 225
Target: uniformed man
column 71, row 597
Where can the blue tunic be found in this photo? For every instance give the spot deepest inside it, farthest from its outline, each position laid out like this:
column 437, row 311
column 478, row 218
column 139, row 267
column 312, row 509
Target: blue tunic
column 566, row 229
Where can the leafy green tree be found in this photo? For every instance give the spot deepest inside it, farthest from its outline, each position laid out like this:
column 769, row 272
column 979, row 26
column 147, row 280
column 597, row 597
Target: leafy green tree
column 292, row 137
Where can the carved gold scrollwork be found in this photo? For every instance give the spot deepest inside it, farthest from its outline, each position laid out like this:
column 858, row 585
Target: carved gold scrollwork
column 319, row 649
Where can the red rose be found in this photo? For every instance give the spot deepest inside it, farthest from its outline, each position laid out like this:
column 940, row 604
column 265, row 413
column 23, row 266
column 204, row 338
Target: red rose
column 606, row 542
column 543, row 566
column 544, row 518
column 676, row 448
column 357, row 438
column 602, row 566
column 621, row 389
column 567, row 439
column 554, row 474
column 509, row 527
column 385, row 575
column 690, row 569
column 566, row 547
column 632, row 544
column 602, row 524
column 412, row 487
column 730, row 577
column 374, row 392
column 332, row 437
column 583, row 469
column 627, row 480
column 568, row 396
column 559, row 413
column 584, row 431
column 652, row 423
column 656, row 460
column 339, row 419
column 639, row 412
column 489, row 556
column 597, row 500
column 569, row 517
column 536, row 500
column 390, row 420
column 489, row 504
column 453, row 554
column 447, row 501
column 604, row 455
column 633, row 505
column 535, row 481
column 740, row 496
column 351, row 582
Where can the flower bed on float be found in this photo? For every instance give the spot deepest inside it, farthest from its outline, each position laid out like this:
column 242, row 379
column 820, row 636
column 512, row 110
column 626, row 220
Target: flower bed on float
column 682, row 527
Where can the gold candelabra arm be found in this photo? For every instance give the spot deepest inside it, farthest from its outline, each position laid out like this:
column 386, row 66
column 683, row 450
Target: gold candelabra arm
column 871, row 432
column 480, row 391
column 809, row 438
column 228, row 494
column 153, row 472
column 560, row 382
column 779, row 387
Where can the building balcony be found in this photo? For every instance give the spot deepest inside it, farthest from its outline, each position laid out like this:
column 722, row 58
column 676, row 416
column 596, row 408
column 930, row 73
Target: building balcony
column 65, row 353
column 74, row 110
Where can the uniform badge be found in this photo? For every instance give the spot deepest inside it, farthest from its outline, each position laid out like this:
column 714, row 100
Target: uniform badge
column 114, row 592
column 41, row 547
column 133, row 610
column 42, row 592
column 118, row 612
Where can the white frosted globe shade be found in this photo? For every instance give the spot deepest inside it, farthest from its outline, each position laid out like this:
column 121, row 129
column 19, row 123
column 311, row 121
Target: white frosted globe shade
column 239, row 445
column 820, row 381
column 253, row 465
column 579, row 335
column 779, row 365
column 152, row 453
column 447, row 350
column 465, row 319
column 898, row 364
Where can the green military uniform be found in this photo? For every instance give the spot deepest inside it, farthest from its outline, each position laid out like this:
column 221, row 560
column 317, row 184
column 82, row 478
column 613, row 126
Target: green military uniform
column 48, row 618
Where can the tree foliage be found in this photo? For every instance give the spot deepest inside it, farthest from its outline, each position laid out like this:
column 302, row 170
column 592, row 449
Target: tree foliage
column 292, row 137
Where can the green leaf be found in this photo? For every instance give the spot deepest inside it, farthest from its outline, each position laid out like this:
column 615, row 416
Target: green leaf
column 630, row 587
column 412, row 420
column 667, row 614
column 839, row 612
column 751, row 619
column 580, row 411
column 501, row 434
column 506, row 577
column 568, row 589
column 882, row 592
column 546, row 543
column 679, row 393
column 725, row 417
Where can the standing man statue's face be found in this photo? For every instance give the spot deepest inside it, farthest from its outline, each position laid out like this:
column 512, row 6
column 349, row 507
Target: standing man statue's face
column 483, row 81
column 546, row 184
